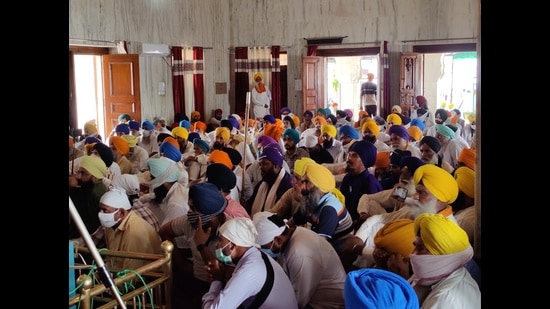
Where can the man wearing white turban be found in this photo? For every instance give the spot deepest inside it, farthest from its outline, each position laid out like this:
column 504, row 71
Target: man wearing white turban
column 125, row 230
column 257, row 279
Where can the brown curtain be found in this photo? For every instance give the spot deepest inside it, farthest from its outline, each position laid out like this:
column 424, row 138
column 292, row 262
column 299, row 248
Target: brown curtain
column 275, row 80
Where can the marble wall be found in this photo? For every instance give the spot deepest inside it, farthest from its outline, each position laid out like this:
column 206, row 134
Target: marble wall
column 220, row 25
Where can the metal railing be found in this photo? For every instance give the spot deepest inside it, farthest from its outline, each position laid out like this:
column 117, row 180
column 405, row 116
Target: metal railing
column 151, row 283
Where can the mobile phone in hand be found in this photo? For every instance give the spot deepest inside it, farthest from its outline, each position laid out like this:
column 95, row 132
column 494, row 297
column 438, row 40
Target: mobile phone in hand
column 400, row 193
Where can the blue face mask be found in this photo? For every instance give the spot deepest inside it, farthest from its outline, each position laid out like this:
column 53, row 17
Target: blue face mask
column 226, row 259
column 270, row 253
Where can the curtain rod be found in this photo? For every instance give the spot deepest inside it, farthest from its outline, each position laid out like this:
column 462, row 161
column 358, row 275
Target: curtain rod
column 436, row 40
column 344, row 44
column 282, row 46
column 90, row 40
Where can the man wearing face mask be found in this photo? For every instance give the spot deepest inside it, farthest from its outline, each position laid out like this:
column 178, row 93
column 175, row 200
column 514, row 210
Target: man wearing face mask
column 171, row 195
column 199, row 226
column 311, row 263
column 125, row 230
column 257, row 281
column 148, row 138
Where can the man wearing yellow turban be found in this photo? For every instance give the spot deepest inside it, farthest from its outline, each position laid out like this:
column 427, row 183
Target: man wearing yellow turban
column 463, row 207
column 321, row 208
column 331, row 144
column 435, row 190
column 181, row 135
column 260, row 98
column 85, row 190
column 440, row 279
column 221, row 137
column 393, row 245
column 370, row 132
column 137, row 155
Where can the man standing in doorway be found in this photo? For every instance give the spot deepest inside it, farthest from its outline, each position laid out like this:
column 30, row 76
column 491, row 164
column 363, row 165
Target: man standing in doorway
column 261, row 98
column 368, row 95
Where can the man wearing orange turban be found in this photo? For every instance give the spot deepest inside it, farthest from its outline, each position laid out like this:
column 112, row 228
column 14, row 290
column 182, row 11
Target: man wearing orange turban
column 369, row 94
column 120, row 149
column 260, row 97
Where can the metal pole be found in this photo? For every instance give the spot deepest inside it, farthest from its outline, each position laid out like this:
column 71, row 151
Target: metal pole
column 246, row 117
column 102, row 270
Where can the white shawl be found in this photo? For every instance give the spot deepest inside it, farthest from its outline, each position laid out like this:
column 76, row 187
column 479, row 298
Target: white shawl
column 265, row 200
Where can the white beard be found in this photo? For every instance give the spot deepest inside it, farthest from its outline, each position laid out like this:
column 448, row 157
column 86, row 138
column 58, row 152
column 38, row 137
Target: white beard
column 418, row 208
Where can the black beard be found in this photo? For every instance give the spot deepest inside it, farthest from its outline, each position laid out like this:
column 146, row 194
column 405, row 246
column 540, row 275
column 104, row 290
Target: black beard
column 310, row 201
column 270, row 176
column 217, row 145
column 182, row 147
column 86, row 185
column 369, row 138
column 439, row 121
column 160, row 193
column 327, row 144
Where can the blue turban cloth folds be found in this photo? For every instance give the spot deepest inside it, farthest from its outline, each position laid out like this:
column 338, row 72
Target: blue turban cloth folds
column 293, row 134
column 170, row 151
column 378, row 288
column 185, row 124
column 208, row 202
column 417, row 122
column 164, row 170
column 400, row 131
column 269, row 118
column 366, row 151
column 148, row 125
column 349, row 131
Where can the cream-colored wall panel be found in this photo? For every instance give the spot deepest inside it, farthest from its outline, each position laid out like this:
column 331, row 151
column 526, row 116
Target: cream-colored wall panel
column 221, row 25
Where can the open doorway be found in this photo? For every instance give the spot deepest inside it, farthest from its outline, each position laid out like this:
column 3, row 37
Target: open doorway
column 449, row 81
column 89, row 91
column 344, row 78
column 102, row 86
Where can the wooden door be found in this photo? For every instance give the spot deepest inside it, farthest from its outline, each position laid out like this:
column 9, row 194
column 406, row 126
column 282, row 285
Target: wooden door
column 120, row 88
column 313, row 76
column 411, row 80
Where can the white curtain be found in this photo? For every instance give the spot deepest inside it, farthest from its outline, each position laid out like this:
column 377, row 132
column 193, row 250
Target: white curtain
column 188, row 71
column 259, row 59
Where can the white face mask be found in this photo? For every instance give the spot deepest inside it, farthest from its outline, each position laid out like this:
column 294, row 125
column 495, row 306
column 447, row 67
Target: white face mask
column 108, row 219
column 146, row 133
